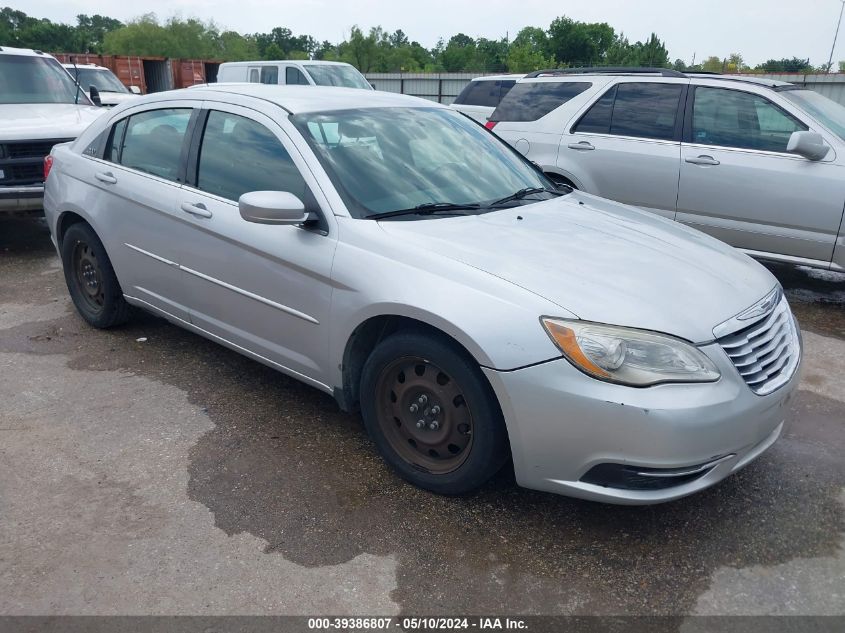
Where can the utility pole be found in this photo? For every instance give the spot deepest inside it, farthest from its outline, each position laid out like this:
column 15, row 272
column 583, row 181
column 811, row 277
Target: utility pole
column 836, row 35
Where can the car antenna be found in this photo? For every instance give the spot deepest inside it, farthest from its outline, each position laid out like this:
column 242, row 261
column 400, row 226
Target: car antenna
column 76, row 79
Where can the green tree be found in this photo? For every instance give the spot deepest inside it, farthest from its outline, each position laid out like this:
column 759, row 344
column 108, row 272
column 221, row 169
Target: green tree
column 713, row 64
column 141, row 36
column 237, row 47
column 361, row 50
column 579, row 43
column 793, row 65
column 458, row 54
column 524, row 58
column 91, row 32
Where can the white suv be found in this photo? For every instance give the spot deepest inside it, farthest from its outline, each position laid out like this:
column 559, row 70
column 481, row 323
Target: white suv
column 40, row 106
column 480, row 96
column 110, row 89
column 755, row 162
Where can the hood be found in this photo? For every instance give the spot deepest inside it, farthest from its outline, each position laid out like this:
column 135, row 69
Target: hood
column 116, row 98
column 31, row 121
column 602, row 261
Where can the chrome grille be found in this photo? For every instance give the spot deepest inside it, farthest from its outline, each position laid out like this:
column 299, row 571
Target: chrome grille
column 767, row 352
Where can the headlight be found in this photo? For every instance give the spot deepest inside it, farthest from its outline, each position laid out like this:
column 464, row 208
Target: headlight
column 629, row 357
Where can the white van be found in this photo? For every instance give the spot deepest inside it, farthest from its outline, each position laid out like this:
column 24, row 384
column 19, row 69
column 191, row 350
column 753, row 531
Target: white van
column 294, row 72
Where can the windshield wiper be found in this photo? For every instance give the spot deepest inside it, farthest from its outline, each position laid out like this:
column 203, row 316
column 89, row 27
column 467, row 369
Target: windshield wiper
column 519, row 195
column 427, row 208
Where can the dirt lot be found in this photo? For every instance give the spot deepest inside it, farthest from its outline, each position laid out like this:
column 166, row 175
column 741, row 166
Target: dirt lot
column 171, row 475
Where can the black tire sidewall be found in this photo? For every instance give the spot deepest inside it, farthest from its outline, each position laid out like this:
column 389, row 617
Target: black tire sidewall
column 489, row 449
column 114, row 306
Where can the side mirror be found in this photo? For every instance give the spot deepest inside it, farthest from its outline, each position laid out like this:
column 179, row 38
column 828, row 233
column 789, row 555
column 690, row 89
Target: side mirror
column 95, row 95
column 810, row 145
column 372, row 85
column 272, row 207
column 135, row 90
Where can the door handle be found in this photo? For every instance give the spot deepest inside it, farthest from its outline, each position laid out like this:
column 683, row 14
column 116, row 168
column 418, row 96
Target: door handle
column 106, row 177
column 197, row 209
column 583, row 146
column 702, row 160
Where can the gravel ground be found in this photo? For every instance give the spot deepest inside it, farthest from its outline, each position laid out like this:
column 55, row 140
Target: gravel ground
column 169, row 475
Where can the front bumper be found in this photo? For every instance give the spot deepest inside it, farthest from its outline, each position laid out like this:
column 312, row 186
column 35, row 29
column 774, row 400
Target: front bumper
column 21, row 198
column 563, row 423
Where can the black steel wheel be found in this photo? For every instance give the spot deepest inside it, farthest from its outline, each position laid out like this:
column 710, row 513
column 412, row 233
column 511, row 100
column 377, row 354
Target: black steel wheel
column 432, row 414
column 90, row 278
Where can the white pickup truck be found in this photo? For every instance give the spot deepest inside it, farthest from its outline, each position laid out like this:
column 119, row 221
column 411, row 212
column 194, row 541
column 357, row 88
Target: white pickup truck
column 40, row 106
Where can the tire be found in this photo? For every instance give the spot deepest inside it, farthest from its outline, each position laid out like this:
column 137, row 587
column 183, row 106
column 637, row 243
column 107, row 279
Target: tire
column 469, row 443
column 90, row 278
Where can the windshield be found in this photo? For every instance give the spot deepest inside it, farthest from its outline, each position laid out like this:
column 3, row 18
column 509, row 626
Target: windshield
column 829, row 113
column 331, row 75
column 103, row 80
column 31, row 79
column 389, row 159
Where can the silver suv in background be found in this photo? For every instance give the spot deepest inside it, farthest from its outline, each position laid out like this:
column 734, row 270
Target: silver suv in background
column 754, row 162
column 480, row 96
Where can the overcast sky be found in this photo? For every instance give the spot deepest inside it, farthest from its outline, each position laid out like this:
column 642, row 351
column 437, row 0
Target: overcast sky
column 757, row 29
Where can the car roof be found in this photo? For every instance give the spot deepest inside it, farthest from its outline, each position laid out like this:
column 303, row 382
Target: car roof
column 574, row 74
column 761, row 81
column 298, row 99
column 28, row 52
column 304, row 62
column 499, row 77
column 85, row 66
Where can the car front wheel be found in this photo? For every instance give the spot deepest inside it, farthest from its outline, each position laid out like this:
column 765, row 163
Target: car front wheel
column 432, row 414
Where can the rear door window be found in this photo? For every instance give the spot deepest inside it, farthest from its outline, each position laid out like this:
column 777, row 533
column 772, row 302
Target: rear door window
column 529, row 101
column 270, row 75
column 642, row 110
column 253, row 76
column 153, row 141
column 238, row 155
column 294, row 77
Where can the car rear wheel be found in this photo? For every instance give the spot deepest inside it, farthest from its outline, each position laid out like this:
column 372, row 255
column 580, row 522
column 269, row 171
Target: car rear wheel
column 90, row 278
column 432, row 414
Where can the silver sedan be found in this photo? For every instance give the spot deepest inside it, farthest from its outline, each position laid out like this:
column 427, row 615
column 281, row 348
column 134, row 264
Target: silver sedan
column 393, row 253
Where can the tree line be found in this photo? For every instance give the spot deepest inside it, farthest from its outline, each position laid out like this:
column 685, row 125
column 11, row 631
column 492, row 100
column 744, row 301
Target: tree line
column 566, row 42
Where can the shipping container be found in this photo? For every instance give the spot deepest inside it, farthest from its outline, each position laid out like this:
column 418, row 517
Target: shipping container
column 157, row 74
column 130, row 70
column 79, row 58
column 187, row 72
column 211, row 69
